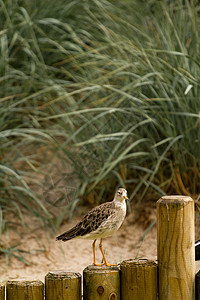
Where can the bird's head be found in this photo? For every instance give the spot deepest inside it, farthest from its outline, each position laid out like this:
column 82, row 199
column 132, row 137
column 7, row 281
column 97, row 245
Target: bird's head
column 121, row 194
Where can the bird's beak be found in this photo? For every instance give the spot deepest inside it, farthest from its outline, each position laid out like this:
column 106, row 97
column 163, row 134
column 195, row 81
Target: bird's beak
column 125, row 197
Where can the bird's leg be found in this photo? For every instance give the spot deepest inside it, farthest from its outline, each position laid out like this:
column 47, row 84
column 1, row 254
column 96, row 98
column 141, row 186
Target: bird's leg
column 104, row 258
column 94, row 257
column 101, row 249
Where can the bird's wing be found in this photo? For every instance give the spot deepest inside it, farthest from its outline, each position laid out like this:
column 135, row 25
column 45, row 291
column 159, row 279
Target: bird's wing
column 90, row 222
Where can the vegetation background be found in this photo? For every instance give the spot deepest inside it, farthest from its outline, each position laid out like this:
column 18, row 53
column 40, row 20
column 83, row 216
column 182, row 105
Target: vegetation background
column 94, row 95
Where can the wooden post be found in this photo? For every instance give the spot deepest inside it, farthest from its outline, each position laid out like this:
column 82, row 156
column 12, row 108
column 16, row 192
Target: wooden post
column 22, row 290
column 138, row 280
column 176, row 255
column 101, row 283
column 197, row 286
column 61, row 285
column 2, row 291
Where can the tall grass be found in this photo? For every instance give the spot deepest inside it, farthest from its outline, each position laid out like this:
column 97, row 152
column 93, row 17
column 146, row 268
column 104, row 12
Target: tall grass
column 137, row 122
column 109, row 88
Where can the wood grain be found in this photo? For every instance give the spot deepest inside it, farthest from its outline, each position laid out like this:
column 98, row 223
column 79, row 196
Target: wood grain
column 138, row 280
column 101, row 283
column 61, row 285
column 2, row 291
column 176, row 256
column 23, row 290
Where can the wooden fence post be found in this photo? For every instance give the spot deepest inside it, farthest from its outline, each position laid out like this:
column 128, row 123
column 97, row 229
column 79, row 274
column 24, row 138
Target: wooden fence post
column 2, row 291
column 22, row 290
column 176, row 255
column 101, row 283
column 138, row 280
column 197, row 286
column 61, row 285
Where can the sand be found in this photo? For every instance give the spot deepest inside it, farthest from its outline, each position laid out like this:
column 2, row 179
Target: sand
column 44, row 254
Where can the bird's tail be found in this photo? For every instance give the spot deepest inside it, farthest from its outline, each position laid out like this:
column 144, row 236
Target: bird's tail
column 68, row 235
column 63, row 237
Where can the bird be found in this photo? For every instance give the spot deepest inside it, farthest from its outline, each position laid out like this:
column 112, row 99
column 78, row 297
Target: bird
column 101, row 222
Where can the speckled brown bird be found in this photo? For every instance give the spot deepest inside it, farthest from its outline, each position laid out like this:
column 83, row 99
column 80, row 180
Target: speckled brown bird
column 102, row 221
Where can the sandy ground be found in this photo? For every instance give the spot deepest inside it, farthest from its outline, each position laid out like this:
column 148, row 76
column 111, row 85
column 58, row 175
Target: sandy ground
column 45, row 254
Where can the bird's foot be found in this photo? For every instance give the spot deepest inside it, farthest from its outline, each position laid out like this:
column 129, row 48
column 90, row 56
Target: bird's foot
column 105, row 264
column 110, row 265
column 98, row 265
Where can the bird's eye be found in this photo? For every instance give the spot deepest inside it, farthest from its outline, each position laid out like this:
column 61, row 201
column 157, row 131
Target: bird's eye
column 119, row 193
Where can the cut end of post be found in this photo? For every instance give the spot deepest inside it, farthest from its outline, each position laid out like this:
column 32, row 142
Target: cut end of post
column 101, row 269
column 24, row 282
column 135, row 263
column 175, row 198
column 60, row 274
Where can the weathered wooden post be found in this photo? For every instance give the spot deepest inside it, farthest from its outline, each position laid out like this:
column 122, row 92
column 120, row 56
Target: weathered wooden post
column 61, row 285
column 176, row 255
column 101, row 283
column 197, row 286
column 22, row 290
column 2, row 291
column 138, row 280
